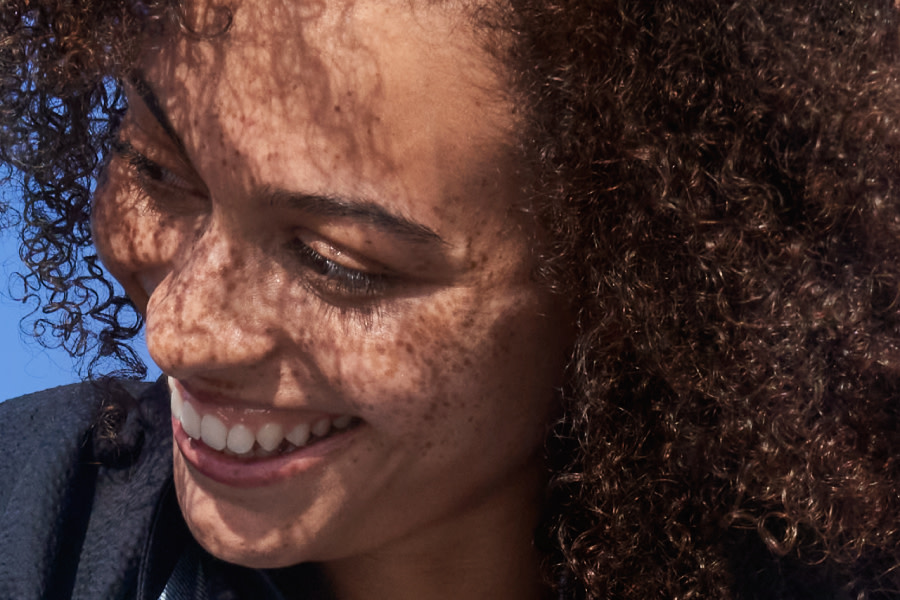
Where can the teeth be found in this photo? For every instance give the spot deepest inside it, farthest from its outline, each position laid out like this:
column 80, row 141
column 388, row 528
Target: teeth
column 299, row 435
column 175, row 399
column 321, row 427
column 190, row 420
column 269, row 436
column 240, row 439
column 213, row 432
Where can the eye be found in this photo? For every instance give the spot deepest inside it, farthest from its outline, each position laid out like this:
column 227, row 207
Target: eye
column 151, row 174
column 337, row 283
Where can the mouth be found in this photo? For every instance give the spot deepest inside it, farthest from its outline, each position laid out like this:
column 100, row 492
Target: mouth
column 250, row 447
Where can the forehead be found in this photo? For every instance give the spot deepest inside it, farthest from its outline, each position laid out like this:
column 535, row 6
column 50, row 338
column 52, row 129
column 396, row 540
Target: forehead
column 359, row 90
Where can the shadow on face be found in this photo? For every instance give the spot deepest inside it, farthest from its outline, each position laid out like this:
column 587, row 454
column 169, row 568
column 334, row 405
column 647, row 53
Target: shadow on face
column 317, row 211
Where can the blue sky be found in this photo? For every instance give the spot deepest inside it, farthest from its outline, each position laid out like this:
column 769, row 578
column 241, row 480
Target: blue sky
column 27, row 366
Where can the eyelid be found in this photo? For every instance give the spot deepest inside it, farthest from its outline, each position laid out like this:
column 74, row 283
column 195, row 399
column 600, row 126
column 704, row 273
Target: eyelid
column 152, row 170
column 338, row 284
column 335, row 253
column 344, row 261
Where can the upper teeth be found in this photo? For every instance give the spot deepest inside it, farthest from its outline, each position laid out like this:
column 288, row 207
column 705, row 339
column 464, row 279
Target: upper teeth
column 240, row 439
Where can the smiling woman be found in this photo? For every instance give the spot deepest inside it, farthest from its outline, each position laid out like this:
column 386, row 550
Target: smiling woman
column 460, row 299
column 303, row 271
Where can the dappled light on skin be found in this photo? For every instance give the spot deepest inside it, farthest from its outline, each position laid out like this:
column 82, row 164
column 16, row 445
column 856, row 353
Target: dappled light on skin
column 319, row 210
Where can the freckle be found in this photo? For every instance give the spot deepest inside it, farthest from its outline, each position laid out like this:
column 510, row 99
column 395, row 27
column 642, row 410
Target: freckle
column 337, row 108
column 409, row 348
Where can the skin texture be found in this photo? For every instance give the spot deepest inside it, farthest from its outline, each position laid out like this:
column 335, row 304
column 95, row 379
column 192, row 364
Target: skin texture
column 718, row 186
column 450, row 353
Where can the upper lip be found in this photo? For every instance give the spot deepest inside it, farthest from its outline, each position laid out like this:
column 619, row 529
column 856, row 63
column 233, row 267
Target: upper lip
column 217, row 400
column 212, row 398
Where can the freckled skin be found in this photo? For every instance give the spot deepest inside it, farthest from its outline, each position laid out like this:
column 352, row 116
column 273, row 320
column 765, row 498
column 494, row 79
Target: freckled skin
column 452, row 368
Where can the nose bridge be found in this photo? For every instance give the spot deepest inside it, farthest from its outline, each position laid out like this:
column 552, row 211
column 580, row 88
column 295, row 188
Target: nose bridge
column 207, row 314
column 212, row 260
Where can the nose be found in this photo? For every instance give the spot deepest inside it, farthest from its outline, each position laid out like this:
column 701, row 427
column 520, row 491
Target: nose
column 210, row 313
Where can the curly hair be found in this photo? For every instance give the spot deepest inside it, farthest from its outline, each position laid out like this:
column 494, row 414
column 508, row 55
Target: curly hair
column 719, row 180
column 60, row 106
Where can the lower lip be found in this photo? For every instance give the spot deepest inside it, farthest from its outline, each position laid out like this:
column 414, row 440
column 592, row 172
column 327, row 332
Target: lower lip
column 257, row 472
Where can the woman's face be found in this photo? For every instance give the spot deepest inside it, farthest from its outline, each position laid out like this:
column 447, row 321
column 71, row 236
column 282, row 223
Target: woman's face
column 320, row 220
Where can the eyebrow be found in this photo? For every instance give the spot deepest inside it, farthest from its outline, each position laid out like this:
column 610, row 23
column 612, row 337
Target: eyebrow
column 320, row 205
column 151, row 101
column 358, row 209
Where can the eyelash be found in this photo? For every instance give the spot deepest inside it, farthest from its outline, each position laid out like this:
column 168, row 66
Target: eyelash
column 340, row 286
column 337, row 281
column 150, row 171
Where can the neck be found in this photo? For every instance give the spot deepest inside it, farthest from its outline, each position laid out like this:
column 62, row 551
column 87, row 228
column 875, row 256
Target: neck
column 485, row 553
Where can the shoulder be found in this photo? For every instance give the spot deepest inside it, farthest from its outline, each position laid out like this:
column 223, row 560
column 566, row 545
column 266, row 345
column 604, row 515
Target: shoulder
column 75, row 513
column 43, row 427
column 52, row 424
column 63, row 407
column 44, row 435
column 67, row 401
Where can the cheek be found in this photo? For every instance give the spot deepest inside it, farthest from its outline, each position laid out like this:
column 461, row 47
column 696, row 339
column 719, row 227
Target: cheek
column 136, row 243
column 463, row 369
column 456, row 391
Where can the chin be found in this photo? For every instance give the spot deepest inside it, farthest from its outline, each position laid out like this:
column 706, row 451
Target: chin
column 252, row 544
column 235, row 533
column 236, row 551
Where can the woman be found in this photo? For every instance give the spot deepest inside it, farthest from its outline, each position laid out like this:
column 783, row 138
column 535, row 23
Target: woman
column 462, row 299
